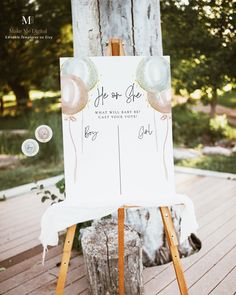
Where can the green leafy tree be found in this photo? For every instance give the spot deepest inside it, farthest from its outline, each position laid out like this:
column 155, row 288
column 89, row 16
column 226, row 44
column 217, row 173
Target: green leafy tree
column 32, row 63
column 200, row 37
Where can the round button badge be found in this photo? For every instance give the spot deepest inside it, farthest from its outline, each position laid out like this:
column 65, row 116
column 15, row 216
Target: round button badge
column 43, row 133
column 30, row 147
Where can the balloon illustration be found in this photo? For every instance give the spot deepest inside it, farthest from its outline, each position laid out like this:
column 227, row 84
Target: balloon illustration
column 153, row 74
column 83, row 68
column 78, row 76
column 160, row 102
column 74, row 95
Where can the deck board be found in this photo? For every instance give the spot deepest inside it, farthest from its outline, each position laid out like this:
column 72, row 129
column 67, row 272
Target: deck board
column 211, row 271
column 216, row 273
column 226, row 285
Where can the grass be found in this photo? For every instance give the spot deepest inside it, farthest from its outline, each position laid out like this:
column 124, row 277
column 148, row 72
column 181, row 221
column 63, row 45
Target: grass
column 190, row 128
column 13, row 122
column 193, row 129
column 42, row 109
column 228, row 99
column 10, row 143
column 49, row 161
column 211, row 162
column 26, row 173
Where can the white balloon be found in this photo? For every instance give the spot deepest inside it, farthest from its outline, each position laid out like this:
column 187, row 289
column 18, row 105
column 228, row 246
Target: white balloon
column 153, row 74
column 83, row 68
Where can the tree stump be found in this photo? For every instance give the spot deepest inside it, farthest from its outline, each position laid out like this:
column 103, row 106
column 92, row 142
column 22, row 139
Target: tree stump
column 100, row 250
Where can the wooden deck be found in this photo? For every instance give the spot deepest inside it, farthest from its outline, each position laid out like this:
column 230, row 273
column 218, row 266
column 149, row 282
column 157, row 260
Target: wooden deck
column 211, row 271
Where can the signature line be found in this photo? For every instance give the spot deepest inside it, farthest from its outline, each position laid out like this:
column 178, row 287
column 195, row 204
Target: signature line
column 118, row 137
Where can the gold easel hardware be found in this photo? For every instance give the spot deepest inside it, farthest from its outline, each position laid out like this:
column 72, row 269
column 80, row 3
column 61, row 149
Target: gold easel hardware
column 115, row 48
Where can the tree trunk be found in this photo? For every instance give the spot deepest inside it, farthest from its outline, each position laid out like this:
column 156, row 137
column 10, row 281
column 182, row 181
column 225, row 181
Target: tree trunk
column 100, row 251
column 213, row 103
column 22, row 94
column 1, row 105
column 138, row 24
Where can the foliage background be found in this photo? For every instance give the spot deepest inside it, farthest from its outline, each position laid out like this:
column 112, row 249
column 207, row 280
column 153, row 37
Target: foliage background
column 199, row 35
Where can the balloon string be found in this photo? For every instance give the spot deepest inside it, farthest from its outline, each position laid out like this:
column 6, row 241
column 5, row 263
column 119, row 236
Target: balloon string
column 71, row 136
column 82, row 130
column 164, row 146
column 155, row 127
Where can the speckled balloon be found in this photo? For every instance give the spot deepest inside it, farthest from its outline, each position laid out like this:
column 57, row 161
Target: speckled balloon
column 153, row 74
column 83, row 68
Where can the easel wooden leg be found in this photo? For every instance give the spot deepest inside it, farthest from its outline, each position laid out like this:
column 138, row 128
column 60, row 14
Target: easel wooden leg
column 173, row 245
column 65, row 260
column 121, row 250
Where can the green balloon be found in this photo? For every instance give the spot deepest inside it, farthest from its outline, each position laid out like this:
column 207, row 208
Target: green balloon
column 82, row 68
column 153, row 74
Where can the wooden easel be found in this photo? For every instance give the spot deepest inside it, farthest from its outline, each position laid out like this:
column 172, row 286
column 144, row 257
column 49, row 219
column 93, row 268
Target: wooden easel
column 115, row 48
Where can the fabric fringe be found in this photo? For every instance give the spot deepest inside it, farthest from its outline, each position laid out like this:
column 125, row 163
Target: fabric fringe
column 45, row 250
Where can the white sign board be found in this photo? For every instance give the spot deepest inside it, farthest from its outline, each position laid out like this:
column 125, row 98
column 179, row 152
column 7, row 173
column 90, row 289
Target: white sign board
column 117, row 141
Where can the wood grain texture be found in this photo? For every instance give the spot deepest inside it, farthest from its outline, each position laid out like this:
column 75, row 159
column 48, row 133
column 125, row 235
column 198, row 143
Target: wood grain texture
column 136, row 22
column 101, row 256
column 116, row 22
column 65, row 260
column 86, row 28
column 147, row 27
column 226, row 285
